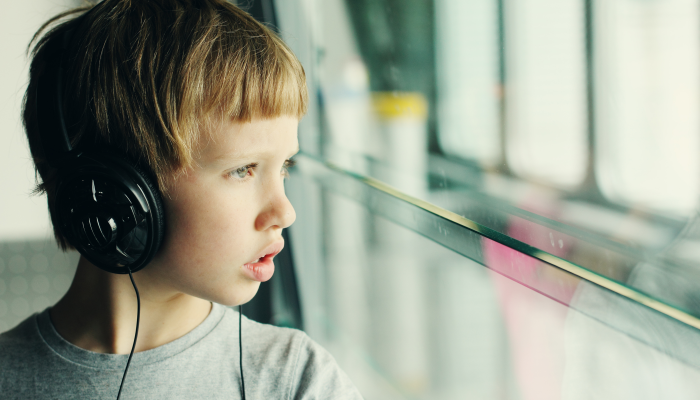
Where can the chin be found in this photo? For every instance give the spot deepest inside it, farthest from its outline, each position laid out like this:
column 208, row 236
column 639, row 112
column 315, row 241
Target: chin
column 241, row 295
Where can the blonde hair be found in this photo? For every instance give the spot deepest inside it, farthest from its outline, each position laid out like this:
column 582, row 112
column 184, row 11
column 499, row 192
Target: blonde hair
column 148, row 76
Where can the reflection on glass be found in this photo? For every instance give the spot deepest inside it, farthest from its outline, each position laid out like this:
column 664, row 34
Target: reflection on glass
column 410, row 319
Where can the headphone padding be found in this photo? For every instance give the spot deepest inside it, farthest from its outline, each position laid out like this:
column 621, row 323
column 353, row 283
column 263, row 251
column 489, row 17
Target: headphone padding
column 158, row 212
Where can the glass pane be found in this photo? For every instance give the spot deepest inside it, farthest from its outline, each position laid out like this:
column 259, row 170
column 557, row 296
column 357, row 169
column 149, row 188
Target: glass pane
column 468, row 79
column 546, row 108
column 651, row 285
column 393, row 82
column 647, row 95
column 413, row 318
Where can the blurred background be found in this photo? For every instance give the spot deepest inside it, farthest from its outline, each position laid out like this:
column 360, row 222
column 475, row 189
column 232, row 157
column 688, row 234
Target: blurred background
column 554, row 142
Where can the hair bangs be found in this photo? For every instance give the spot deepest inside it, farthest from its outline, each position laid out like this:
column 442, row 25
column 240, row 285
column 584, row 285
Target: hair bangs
column 260, row 79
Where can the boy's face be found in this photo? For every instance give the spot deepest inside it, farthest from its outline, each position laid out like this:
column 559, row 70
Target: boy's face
column 226, row 212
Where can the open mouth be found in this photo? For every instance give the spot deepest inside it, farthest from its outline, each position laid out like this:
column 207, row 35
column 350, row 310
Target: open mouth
column 262, row 267
column 258, row 260
column 270, row 252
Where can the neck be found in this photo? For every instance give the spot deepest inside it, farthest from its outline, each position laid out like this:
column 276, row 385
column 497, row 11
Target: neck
column 98, row 313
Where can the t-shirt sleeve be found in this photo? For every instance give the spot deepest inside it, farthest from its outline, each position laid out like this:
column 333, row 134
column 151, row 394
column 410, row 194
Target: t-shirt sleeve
column 317, row 375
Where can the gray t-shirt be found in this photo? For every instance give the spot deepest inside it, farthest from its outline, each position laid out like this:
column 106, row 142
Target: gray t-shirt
column 278, row 363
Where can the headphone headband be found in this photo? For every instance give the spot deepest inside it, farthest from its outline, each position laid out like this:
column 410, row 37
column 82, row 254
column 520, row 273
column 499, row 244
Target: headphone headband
column 53, row 132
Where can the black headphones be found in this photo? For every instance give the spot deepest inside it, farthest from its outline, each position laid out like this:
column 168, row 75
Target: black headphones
column 107, row 206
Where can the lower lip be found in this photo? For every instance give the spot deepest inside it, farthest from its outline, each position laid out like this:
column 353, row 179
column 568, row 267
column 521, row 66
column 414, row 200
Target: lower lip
column 260, row 271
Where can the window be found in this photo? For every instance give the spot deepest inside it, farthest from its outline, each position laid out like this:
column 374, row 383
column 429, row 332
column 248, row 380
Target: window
column 450, row 135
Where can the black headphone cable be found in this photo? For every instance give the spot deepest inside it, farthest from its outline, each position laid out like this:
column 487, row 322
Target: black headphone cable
column 240, row 348
column 136, row 334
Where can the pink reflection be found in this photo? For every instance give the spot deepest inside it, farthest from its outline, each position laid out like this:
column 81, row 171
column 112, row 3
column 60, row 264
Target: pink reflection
column 534, row 323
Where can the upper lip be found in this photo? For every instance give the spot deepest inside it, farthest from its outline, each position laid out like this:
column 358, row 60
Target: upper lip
column 273, row 249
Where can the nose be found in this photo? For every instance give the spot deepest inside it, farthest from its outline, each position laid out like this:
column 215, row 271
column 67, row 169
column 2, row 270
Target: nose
column 278, row 212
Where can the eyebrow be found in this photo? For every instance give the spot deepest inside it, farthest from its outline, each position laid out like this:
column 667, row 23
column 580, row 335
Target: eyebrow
column 238, row 156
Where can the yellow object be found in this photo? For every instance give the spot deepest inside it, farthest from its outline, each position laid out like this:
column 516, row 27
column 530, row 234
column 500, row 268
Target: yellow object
column 391, row 105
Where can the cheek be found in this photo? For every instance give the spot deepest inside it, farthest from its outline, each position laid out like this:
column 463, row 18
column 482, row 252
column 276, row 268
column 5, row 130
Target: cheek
column 207, row 226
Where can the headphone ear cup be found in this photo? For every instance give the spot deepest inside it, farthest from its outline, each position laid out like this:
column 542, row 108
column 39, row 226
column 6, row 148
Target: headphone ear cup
column 111, row 211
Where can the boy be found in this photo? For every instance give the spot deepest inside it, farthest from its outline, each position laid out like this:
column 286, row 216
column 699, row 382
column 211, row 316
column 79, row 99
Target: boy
column 201, row 98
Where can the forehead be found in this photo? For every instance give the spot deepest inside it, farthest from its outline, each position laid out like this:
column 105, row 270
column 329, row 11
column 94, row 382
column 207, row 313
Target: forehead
column 233, row 140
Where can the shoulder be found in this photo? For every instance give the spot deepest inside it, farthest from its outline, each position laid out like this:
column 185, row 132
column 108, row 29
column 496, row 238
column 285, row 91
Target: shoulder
column 303, row 368
column 21, row 355
column 271, row 336
column 318, row 376
column 19, row 339
column 271, row 345
column 288, row 364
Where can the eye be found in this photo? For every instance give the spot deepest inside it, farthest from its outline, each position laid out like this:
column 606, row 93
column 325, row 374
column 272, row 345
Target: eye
column 243, row 172
column 289, row 163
